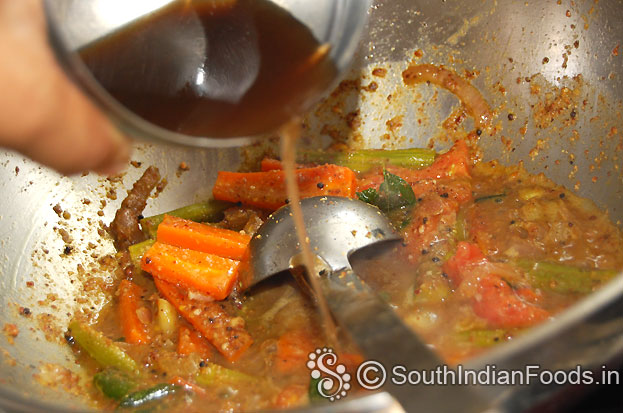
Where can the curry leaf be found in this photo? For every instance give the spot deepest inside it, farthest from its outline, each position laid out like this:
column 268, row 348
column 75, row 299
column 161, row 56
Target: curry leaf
column 397, row 192
column 392, row 194
column 369, row 196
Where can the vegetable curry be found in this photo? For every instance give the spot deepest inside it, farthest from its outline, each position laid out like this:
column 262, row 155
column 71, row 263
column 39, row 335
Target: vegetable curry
column 488, row 251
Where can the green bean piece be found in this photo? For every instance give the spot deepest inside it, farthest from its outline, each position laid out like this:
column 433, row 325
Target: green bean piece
column 564, row 279
column 102, row 349
column 495, row 197
column 483, row 338
column 137, row 250
column 213, row 374
column 202, row 212
column 461, row 232
column 113, row 383
column 362, row 160
column 141, row 397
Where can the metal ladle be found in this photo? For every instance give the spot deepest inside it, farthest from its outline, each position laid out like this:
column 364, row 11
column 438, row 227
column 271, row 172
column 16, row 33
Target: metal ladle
column 336, row 228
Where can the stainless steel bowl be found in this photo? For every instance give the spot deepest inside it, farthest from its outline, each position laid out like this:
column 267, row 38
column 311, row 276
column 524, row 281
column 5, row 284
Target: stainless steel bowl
column 75, row 24
column 504, row 40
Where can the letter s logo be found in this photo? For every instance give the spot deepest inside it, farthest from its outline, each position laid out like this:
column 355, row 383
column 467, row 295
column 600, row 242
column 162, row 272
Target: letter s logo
column 334, row 381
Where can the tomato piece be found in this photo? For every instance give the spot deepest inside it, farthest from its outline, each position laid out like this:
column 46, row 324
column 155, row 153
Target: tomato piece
column 498, row 304
column 467, row 254
column 430, row 222
column 492, row 298
column 452, row 164
column 448, row 176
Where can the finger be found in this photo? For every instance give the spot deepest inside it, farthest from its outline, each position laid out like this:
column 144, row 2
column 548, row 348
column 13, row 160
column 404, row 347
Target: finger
column 73, row 135
column 42, row 113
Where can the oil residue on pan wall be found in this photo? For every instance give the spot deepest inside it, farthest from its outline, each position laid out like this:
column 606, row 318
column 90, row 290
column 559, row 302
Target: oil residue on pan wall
column 548, row 71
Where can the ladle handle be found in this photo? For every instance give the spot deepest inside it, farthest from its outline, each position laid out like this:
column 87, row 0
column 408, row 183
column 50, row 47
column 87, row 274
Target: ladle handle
column 382, row 336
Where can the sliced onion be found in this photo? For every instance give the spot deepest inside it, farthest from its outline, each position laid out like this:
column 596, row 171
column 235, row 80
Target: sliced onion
column 469, row 96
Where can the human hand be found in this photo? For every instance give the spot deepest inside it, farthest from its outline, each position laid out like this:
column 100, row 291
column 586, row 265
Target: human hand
column 42, row 113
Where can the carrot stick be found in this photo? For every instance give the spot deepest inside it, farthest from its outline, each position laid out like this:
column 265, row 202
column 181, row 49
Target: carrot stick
column 293, row 347
column 206, row 273
column 227, row 334
column 269, row 164
column 293, row 395
column 184, row 233
column 268, row 189
column 134, row 329
column 190, row 341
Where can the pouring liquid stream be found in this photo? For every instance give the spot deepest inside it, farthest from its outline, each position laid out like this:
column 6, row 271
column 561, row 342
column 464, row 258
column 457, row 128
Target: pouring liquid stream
column 290, row 134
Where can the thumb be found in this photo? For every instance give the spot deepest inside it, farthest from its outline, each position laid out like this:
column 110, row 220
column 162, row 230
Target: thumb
column 72, row 135
column 42, row 113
